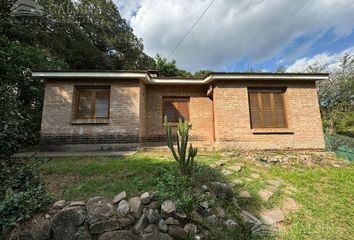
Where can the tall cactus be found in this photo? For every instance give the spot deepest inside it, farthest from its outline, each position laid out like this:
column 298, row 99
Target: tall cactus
column 185, row 163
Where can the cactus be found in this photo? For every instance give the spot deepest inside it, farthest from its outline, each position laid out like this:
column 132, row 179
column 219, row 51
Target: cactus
column 185, row 163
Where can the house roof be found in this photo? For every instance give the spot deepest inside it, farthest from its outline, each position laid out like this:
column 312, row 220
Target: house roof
column 149, row 78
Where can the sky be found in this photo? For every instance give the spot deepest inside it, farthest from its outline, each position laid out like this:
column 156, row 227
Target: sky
column 240, row 35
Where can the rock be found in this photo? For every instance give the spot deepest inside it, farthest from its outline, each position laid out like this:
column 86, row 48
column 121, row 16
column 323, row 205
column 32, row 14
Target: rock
column 164, row 236
column 275, row 183
column 114, row 235
column 180, row 216
column 123, row 208
column 99, row 208
column 66, row 222
column 150, row 228
column 152, row 216
column 163, row 226
column 244, row 194
column 235, row 168
column 103, row 226
column 227, row 172
column 77, row 204
column 153, row 205
column 265, row 194
column 22, row 236
column 171, row 221
column 176, row 232
column 235, row 203
column 290, row 206
column 136, row 207
column 149, row 233
column 168, row 207
column 275, row 215
column 204, row 204
column 82, row 234
column 196, row 237
column 221, row 190
column 41, row 231
column 47, row 216
column 141, row 223
column 191, row 229
column 120, row 197
column 249, row 218
column 230, row 224
column 58, row 205
column 255, row 175
column 145, row 198
column 196, row 217
column 205, row 188
column 220, row 212
column 125, row 221
column 212, row 219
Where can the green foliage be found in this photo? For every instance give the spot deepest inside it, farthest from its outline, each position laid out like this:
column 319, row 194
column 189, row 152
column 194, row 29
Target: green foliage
column 343, row 146
column 179, row 188
column 22, row 191
column 169, row 69
column 346, row 125
column 186, row 163
column 201, row 73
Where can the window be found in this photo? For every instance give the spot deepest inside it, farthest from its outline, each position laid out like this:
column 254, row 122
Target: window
column 176, row 108
column 92, row 103
column 267, row 108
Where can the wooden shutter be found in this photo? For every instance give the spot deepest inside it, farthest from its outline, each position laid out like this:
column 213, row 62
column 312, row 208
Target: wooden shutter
column 176, row 108
column 267, row 108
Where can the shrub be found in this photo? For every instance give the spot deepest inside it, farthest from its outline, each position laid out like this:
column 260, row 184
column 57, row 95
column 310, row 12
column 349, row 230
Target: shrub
column 342, row 145
column 22, row 192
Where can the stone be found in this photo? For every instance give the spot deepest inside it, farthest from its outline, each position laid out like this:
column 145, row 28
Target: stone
column 180, row 216
column 141, row 223
column 205, row 188
column 212, row 219
column 168, row 207
column 235, row 168
column 145, row 198
column 99, row 208
column 221, row 190
column 163, row 226
column 238, row 182
column 66, row 222
column 235, row 203
column 149, row 233
column 275, row 183
column 275, row 215
column 125, row 221
column 120, row 197
column 290, row 206
column 22, row 236
column 204, row 204
column 171, row 221
column 230, row 224
column 196, row 217
column 58, row 205
column 123, row 208
column 255, row 175
column 152, row 216
column 153, row 205
column 220, row 212
column 244, row 194
column 265, row 194
column 150, row 228
column 247, row 217
column 164, row 236
column 47, row 216
column 136, row 206
column 82, row 234
column 114, row 235
column 103, row 226
column 227, row 172
column 191, row 229
column 41, row 231
column 77, row 204
column 176, row 232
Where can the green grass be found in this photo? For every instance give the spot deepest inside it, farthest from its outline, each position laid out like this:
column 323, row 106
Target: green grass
column 326, row 194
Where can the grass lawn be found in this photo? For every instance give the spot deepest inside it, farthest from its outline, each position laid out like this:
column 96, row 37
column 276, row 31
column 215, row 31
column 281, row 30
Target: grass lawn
column 326, row 194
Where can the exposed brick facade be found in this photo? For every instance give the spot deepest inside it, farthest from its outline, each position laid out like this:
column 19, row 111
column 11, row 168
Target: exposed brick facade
column 221, row 119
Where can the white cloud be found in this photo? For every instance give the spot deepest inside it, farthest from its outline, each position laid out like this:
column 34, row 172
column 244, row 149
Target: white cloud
column 328, row 59
column 233, row 29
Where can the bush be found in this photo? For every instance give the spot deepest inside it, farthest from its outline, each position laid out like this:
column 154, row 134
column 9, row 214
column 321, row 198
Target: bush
column 179, row 188
column 22, row 192
column 342, row 145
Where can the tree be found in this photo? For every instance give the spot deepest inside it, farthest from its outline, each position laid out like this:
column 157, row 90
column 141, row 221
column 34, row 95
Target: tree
column 169, row 69
column 201, row 73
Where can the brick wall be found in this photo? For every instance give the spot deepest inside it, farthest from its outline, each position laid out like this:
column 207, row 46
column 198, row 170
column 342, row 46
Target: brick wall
column 123, row 125
column 232, row 119
column 200, row 108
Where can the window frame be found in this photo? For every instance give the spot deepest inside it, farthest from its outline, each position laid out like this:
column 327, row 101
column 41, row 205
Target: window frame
column 93, row 90
column 175, row 99
column 271, row 90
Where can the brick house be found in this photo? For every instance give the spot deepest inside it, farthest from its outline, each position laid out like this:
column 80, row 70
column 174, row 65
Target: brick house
column 125, row 109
